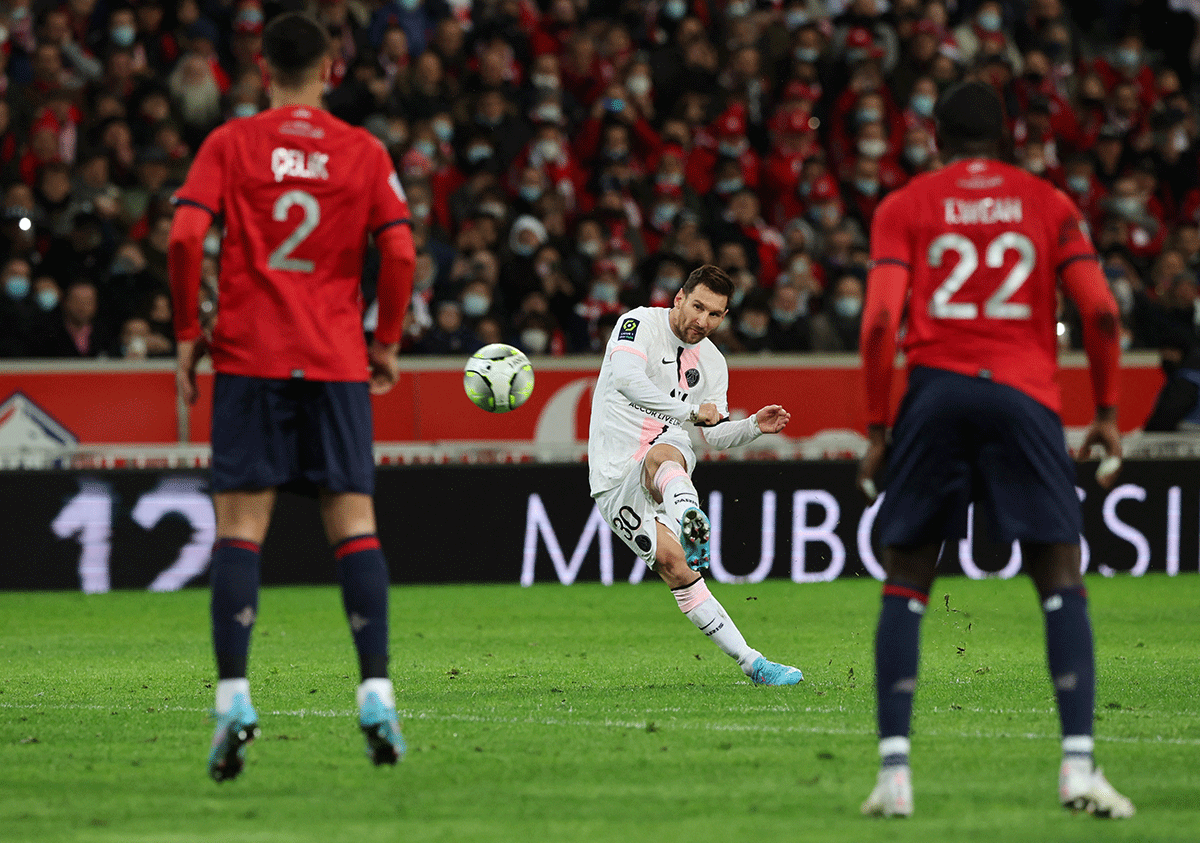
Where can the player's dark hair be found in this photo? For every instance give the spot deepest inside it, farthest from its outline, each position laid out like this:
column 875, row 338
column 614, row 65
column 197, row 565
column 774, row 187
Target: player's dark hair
column 293, row 45
column 713, row 277
column 970, row 121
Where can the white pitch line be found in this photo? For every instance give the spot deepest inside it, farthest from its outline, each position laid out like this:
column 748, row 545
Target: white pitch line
column 643, row 724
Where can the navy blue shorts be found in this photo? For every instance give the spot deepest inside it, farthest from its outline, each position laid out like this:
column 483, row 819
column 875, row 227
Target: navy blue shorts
column 961, row 439
column 291, row 433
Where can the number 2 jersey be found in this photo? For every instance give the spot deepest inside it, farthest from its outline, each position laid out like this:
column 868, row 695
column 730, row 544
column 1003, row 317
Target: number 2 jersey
column 650, row 382
column 298, row 192
column 984, row 244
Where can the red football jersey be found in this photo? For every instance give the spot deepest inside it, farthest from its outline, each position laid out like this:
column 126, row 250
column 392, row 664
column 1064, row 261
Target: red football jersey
column 298, row 192
column 983, row 243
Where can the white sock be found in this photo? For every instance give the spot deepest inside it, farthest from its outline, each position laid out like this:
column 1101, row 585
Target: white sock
column 709, row 616
column 1077, row 750
column 227, row 689
column 383, row 687
column 894, row 749
column 678, row 493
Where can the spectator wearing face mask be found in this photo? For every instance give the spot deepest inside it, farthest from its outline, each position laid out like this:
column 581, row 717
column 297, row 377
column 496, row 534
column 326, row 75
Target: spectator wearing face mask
column 1136, row 217
column 663, row 211
column 919, row 110
column 1080, row 183
column 1126, row 62
column 517, row 274
column 18, row 309
column 729, row 153
column 548, row 155
column 864, row 190
column 856, row 108
column 667, row 277
column 752, row 327
column 837, row 326
column 790, row 329
column 986, row 25
column 603, row 299
column 537, row 333
column 449, row 334
column 793, row 141
column 826, row 211
column 742, row 221
column 586, row 247
column 919, row 152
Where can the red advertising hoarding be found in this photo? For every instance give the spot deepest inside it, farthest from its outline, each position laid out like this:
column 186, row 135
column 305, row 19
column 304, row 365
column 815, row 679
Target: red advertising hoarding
column 113, row 402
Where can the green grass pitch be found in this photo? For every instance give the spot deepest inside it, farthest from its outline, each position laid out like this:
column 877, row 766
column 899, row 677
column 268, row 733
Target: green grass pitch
column 588, row 714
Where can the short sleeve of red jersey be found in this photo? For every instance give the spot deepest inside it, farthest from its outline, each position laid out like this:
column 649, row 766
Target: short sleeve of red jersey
column 389, row 205
column 1072, row 239
column 205, row 179
column 889, row 231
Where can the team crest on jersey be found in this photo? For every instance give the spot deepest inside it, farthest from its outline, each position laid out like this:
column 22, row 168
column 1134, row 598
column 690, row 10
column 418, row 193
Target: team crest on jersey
column 628, row 329
column 692, row 376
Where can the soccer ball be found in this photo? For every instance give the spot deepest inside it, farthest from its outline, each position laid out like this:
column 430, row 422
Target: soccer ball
column 498, row 378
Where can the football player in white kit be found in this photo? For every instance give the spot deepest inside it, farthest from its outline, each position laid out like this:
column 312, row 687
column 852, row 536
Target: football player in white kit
column 660, row 371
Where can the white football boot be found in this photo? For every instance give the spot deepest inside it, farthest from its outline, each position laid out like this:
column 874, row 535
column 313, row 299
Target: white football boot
column 1081, row 788
column 893, row 795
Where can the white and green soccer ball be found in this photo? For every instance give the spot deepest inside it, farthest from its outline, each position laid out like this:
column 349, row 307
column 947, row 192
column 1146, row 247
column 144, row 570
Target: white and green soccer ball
column 498, row 378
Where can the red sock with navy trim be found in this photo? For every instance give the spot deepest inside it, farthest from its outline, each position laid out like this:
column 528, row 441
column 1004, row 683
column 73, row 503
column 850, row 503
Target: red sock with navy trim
column 363, row 573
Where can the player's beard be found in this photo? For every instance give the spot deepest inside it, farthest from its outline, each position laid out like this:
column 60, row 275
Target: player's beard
column 199, row 104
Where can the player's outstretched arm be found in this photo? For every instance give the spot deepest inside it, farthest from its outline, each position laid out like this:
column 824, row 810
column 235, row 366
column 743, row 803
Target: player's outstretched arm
column 772, row 418
column 729, row 434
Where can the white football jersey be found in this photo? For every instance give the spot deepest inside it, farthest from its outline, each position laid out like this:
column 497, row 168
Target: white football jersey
column 621, row 430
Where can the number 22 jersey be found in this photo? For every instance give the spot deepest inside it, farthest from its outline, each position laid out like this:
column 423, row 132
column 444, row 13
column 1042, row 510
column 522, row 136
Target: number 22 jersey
column 983, row 242
column 298, row 191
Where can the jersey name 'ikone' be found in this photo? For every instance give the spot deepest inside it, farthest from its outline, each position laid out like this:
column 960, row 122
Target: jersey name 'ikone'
column 298, row 192
column 984, row 242
column 688, row 375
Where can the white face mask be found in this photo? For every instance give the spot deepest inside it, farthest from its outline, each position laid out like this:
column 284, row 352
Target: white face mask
column 605, row 291
column 624, row 266
column 548, row 149
column 638, row 85
column 534, row 340
column 872, row 148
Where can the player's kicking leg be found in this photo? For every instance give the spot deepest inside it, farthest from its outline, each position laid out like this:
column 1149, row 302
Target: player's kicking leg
column 678, row 559
column 362, row 570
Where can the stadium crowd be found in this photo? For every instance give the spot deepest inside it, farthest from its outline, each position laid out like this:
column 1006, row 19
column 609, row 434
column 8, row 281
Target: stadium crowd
column 565, row 160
